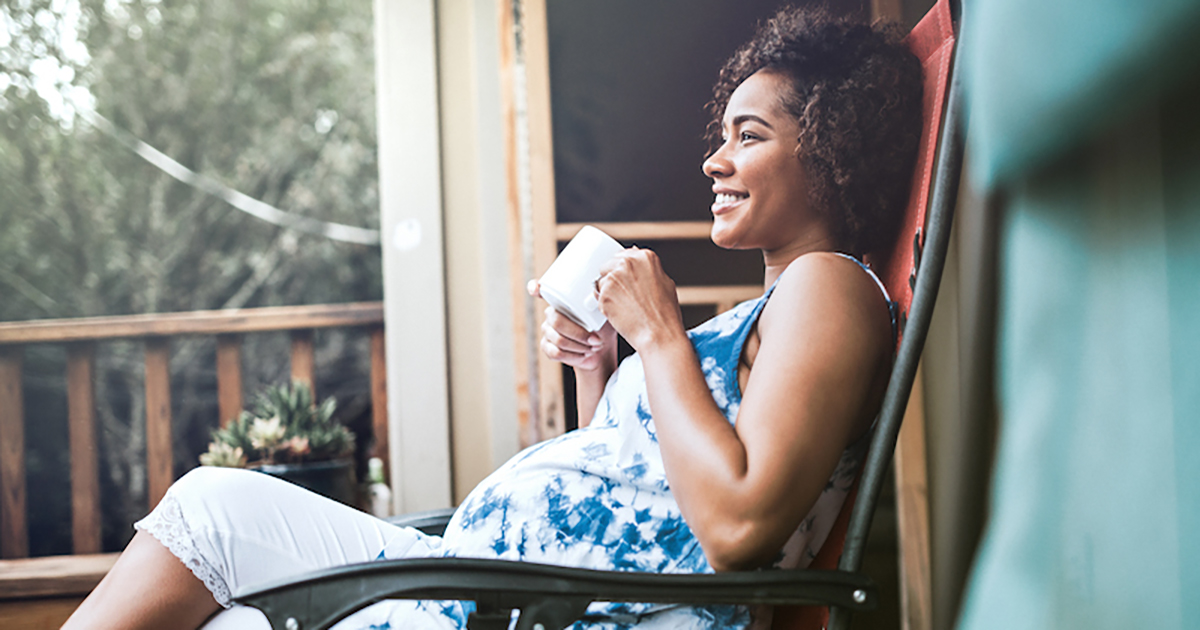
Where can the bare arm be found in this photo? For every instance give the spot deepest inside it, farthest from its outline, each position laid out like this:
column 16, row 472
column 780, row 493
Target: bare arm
column 825, row 340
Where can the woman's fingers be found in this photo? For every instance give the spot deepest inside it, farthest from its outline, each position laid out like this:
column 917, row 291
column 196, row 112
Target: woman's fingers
column 570, row 341
column 586, row 360
column 562, row 341
column 566, row 341
column 638, row 297
column 619, row 259
column 574, row 336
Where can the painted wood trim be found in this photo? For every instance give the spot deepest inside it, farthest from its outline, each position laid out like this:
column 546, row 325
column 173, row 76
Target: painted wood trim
column 551, row 415
column 192, row 323
column 159, row 458
column 410, row 194
column 492, row 165
column 14, row 533
column 912, row 515
column 85, row 459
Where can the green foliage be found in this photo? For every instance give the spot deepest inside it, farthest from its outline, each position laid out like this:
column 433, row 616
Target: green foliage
column 274, row 98
column 307, row 431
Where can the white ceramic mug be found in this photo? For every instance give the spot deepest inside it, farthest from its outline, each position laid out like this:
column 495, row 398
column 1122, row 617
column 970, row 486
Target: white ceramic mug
column 570, row 282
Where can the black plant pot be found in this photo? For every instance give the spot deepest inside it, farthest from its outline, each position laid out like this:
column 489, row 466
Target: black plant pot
column 334, row 478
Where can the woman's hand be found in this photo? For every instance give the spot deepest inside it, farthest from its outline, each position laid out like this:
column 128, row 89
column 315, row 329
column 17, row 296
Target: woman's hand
column 593, row 355
column 567, row 342
column 639, row 299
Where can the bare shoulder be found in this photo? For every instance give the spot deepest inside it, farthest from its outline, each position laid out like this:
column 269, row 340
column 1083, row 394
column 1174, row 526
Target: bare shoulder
column 824, row 294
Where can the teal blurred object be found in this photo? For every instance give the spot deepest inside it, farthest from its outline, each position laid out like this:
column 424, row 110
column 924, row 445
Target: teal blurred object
column 1045, row 73
column 1095, row 518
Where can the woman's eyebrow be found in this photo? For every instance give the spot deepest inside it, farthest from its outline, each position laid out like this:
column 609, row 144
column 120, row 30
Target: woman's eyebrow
column 742, row 118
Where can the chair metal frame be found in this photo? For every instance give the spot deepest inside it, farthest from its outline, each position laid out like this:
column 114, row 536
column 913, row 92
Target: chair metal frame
column 553, row 597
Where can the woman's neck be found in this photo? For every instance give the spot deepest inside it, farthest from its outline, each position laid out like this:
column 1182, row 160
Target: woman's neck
column 775, row 261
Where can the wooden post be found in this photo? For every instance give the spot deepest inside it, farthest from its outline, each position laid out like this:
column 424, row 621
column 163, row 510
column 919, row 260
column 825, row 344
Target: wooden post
column 14, row 535
column 229, row 378
column 302, row 359
column 159, row 465
column 379, row 415
column 522, row 305
column 912, row 515
column 85, row 460
column 550, row 415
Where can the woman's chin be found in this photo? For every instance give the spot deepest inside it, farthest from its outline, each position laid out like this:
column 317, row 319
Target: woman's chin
column 722, row 238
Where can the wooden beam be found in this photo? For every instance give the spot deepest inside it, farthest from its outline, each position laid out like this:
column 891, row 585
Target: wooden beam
column 643, row 231
column 85, row 459
column 551, row 418
column 522, row 304
column 912, row 514
column 53, row 576
column 229, row 378
column 159, row 459
column 303, row 360
column 724, row 297
column 379, row 415
column 887, row 10
column 193, row 323
column 37, row 614
column 14, row 535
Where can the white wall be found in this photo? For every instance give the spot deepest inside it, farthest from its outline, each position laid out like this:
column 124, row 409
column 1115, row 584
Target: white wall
column 413, row 271
column 451, row 396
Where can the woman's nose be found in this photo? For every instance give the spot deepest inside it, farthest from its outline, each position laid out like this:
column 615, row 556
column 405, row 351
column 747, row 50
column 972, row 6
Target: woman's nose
column 717, row 164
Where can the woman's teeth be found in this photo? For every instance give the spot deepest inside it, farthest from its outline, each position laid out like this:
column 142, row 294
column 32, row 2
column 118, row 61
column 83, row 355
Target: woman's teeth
column 727, row 199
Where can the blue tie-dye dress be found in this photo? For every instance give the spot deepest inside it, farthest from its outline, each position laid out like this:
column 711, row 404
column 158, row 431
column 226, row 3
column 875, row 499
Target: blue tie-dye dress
column 598, row 498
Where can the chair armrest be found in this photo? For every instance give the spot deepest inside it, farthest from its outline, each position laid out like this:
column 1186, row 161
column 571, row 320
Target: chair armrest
column 553, row 596
column 432, row 522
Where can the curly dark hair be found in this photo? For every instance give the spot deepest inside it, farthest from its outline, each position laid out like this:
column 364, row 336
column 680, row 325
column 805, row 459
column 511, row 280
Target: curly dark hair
column 856, row 91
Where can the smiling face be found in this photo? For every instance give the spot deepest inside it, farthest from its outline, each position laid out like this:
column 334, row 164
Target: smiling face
column 761, row 193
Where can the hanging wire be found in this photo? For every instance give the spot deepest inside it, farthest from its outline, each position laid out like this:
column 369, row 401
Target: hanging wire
column 240, row 201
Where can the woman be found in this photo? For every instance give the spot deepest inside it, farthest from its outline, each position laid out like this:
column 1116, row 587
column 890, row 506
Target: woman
column 728, row 447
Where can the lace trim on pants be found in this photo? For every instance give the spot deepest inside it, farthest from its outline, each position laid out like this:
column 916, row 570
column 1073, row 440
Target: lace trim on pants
column 167, row 525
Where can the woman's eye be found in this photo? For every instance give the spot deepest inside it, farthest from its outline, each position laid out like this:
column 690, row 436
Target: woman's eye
column 746, row 136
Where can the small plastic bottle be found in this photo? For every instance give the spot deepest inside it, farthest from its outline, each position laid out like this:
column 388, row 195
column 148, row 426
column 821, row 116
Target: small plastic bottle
column 378, row 492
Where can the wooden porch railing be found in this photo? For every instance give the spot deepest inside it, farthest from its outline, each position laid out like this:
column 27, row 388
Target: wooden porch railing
column 156, row 331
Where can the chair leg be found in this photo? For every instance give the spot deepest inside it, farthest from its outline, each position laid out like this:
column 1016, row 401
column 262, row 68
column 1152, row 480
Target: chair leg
column 839, row 618
column 489, row 618
column 552, row 614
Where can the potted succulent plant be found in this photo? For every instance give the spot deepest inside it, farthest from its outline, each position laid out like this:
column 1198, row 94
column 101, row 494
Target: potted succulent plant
column 289, row 435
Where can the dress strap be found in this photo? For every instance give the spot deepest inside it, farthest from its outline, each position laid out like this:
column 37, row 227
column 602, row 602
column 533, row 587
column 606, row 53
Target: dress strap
column 892, row 306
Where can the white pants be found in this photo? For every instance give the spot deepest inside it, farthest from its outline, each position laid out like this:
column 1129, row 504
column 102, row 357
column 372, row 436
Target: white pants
column 236, row 528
